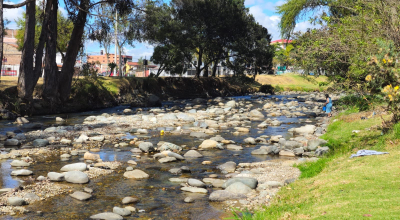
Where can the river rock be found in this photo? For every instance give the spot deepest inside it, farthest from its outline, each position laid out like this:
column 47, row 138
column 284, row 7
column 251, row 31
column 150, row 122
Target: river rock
column 121, row 211
column 175, row 171
column 192, row 154
column 153, row 101
column 97, row 138
column 222, row 195
column 307, row 129
column 31, row 197
column 196, row 183
column 107, row 216
column 65, row 141
column 169, row 117
column 22, row 172
column 185, row 117
column 286, row 153
column 228, row 167
column 217, row 138
column 40, row 143
column 234, row 147
column 146, row 147
column 274, row 184
column 188, row 200
column 178, row 180
column 90, row 156
column 57, row 177
column 248, row 181
column 129, row 200
column 16, row 201
column 169, row 146
column 250, row 140
column 74, row 166
column 19, row 163
column 208, row 144
column 3, row 137
column 198, row 134
column 59, row 119
column 231, row 104
column 167, row 159
column 82, row 138
column 76, row 177
column 298, row 151
column 256, row 114
column 136, row 174
column 194, row 189
column 80, row 195
column 238, row 187
column 242, row 129
column 321, row 151
column 177, row 156
column 312, row 145
column 292, row 145
column 12, row 143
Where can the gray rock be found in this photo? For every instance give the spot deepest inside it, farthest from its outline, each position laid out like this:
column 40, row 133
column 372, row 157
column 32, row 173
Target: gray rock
column 177, row 156
column 6, row 190
column 129, row 200
column 167, row 159
column 146, row 147
column 175, row 171
column 256, row 114
column 74, row 166
column 16, row 201
column 289, row 181
column 153, row 101
column 20, row 137
column 250, row 140
column 238, row 187
column 274, row 184
column 57, row 177
column 234, row 147
column 22, row 172
column 97, row 138
column 107, row 216
column 208, row 144
column 231, row 104
column 194, row 189
column 312, row 145
column 198, row 134
column 228, row 167
column 292, row 145
column 185, row 117
column 298, row 151
column 76, row 177
column 222, row 195
column 188, row 200
column 199, row 101
column 178, row 180
column 41, row 178
column 136, row 174
column 196, row 183
column 121, row 211
column 217, row 138
column 40, row 143
column 248, row 181
column 3, row 137
column 169, row 146
column 19, row 163
column 80, row 195
column 12, row 143
column 192, row 154
column 169, row 117
column 321, row 151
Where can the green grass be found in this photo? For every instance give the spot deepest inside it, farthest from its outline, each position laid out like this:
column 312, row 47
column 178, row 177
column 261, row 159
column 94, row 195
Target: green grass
column 337, row 187
column 294, row 82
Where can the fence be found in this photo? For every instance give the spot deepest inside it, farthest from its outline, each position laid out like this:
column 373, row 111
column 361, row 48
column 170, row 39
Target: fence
column 8, row 72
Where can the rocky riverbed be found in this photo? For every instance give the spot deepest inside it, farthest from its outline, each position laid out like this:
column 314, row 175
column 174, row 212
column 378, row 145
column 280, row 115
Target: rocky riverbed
column 188, row 159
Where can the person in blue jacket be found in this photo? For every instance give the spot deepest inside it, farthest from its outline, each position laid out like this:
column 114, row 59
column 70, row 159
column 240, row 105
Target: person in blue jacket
column 328, row 105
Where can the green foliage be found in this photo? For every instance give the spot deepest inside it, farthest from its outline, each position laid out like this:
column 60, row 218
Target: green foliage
column 267, row 89
column 112, row 66
column 279, row 89
column 321, row 84
column 311, row 169
column 358, row 102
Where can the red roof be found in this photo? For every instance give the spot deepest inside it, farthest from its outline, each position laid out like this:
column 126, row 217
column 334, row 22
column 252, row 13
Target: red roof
column 281, row 41
column 133, row 63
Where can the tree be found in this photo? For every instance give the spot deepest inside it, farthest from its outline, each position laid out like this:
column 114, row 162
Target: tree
column 169, row 58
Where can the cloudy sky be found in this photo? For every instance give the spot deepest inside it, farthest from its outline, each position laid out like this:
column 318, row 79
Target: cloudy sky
column 262, row 10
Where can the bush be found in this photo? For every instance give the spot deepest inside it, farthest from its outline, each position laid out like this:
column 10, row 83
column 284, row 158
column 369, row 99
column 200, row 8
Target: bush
column 267, row 89
column 279, row 89
column 320, row 84
column 359, row 102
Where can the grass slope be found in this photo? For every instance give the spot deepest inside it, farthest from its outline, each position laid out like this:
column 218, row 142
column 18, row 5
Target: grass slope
column 337, row 187
column 293, row 82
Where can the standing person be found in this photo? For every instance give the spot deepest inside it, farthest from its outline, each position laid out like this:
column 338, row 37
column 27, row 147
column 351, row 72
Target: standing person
column 328, row 105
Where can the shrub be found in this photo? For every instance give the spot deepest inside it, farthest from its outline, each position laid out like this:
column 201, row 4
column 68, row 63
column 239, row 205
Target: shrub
column 267, row 89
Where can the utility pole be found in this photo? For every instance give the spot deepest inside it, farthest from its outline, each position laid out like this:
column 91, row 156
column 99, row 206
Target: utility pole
column 116, row 41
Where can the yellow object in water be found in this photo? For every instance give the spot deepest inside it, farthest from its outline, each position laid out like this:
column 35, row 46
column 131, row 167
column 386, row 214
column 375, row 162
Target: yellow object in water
column 162, row 132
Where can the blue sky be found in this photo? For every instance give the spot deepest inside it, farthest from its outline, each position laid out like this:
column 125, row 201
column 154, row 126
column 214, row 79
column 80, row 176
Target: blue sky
column 262, row 10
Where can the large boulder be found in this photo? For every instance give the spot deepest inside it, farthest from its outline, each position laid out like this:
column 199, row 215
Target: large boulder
column 16, row 201
column 12, row 143
column 231, row 104
column 208, row 144
column 76, row 177
column 136, row 174
column 153, row 101
column 22, row 172
column 57, row 177
column 248, row 181
column 250, row 140
column 74, row 166
column 307, row 129
column 256, row 114
column 146, row 147
column 19, row 163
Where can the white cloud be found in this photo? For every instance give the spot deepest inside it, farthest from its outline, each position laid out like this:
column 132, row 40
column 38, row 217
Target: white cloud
column 12, row 14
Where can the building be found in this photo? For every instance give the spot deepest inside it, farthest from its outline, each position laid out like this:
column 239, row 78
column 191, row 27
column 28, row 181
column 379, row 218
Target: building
column 11, row 54
column 101, row 60
column 282, row 43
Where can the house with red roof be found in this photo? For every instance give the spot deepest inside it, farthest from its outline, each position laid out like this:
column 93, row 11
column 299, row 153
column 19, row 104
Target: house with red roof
column 281, row 42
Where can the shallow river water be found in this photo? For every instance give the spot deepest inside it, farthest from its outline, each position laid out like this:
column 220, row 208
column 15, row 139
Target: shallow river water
column 159, row 198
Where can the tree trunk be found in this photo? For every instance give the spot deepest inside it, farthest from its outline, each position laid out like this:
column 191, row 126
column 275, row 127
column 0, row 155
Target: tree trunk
column 26, row 73
column 198, row 69
column 120, row 61
column 50, row 87
column 205, row 71
column 214, row 70
column 67, row 71
column 106, row 50
column 1, row 35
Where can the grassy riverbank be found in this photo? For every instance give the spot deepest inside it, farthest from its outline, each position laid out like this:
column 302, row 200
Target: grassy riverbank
column 294, row 82
column 337, row 187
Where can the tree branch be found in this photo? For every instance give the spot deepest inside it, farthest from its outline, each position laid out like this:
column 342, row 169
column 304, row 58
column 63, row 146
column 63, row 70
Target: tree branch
column 17, row 5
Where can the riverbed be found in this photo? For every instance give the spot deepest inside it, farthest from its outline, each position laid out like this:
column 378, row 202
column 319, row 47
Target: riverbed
column 159, row 198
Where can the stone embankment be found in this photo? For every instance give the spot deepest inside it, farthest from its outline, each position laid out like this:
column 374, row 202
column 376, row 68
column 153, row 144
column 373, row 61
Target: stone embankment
column 242, row 184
